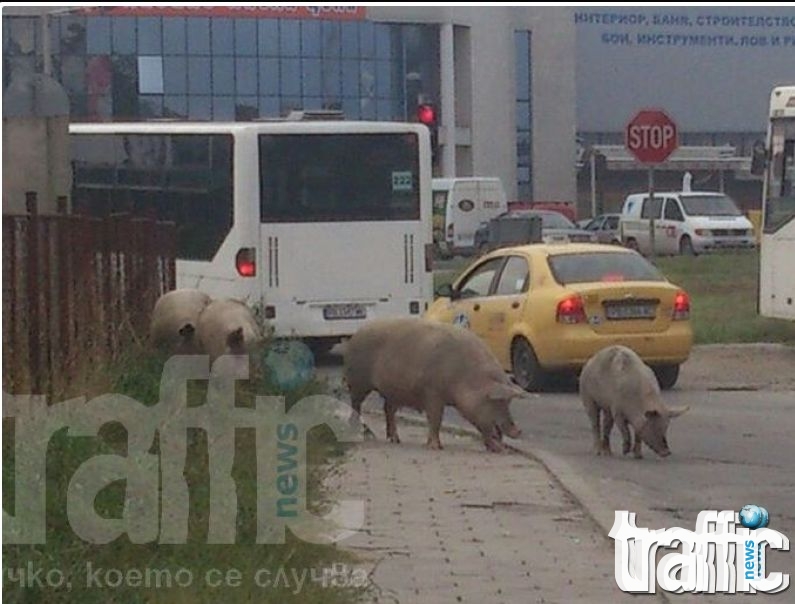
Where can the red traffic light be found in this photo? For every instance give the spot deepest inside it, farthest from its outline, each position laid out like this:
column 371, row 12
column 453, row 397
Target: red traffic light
column 426, row 114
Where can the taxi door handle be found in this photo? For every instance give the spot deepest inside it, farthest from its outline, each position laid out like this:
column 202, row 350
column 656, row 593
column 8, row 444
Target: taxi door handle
column 476, row 307
column 515, row 305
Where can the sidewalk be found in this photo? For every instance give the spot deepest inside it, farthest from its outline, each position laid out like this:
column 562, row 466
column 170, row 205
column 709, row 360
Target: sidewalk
column 464, row 525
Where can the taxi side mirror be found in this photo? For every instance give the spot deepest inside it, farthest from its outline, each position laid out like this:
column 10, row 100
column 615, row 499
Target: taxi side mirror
column 445, row 291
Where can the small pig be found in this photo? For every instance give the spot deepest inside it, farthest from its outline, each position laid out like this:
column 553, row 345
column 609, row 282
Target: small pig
column 174, row 320
column 227, row 327
column 617, row 384
column 427, row 365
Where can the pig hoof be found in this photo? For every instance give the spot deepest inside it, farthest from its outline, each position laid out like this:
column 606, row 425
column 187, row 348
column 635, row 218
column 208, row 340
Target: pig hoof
column 626, row 449
column 494, row 446
column 368, row 434
column 394, row 438
column 434, row 445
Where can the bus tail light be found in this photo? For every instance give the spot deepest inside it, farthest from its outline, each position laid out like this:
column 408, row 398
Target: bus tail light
column 571, row 310
column 450, row 231
column 428, row 257
column 246, row 262
column 681, row 307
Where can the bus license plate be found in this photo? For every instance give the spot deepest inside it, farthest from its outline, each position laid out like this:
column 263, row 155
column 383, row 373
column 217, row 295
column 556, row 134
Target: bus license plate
column 334, row 312
column 617, row 312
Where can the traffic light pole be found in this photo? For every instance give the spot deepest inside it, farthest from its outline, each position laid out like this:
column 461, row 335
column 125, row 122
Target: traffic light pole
column 652, row 226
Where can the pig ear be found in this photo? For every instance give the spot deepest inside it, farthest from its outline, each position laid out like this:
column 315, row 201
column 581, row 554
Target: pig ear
column 235, row 338
column 677, row 411
column 505, row 392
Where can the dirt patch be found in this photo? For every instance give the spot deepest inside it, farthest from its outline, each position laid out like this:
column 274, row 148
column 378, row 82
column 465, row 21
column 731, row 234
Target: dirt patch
column 739, row 367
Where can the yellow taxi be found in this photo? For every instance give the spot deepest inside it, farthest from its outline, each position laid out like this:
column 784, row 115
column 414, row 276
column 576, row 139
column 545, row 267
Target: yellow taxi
column 550, row 307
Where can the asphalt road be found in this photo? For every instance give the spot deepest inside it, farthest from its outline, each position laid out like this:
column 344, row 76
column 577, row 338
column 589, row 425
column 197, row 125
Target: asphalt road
column 732, row 448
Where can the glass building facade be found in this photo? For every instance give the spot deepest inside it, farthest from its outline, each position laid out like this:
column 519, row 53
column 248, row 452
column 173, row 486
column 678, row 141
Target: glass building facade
column 524, row 115
column 226, row 68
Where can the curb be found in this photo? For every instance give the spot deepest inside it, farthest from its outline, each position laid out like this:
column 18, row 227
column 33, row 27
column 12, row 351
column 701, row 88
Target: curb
column 561, row 472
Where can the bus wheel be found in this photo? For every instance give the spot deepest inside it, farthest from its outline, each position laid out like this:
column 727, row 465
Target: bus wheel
column 686, row 246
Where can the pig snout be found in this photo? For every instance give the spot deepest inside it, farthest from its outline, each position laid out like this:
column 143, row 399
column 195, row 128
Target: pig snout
column 510, row 429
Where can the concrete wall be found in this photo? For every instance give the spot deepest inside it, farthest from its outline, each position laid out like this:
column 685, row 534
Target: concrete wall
column 493, row 90
column 36, row 153
column 35, row 158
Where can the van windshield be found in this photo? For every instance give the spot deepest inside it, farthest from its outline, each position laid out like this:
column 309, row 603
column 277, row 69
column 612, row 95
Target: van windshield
column 709, row 205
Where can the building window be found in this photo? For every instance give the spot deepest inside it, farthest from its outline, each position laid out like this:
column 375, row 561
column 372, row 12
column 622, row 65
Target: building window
column 524, row 114
column 128, row 67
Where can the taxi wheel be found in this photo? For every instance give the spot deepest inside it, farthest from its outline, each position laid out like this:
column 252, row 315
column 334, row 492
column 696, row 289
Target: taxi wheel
column 524, row 364
column 633, row 245
column 666, row 375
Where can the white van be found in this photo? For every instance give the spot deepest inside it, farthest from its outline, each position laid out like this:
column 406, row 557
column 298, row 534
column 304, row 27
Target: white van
column 467, row 202
column 689, row 222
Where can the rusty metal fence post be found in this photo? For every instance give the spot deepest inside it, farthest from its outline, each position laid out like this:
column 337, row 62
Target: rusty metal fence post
column 32, row 292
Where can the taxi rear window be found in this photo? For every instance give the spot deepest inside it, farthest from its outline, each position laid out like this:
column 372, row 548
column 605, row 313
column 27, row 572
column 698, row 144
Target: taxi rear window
column 602, row 267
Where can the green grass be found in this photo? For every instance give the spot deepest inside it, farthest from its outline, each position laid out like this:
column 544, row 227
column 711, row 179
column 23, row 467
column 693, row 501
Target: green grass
column 722, row 289
column 723, row 298
column 138, row 376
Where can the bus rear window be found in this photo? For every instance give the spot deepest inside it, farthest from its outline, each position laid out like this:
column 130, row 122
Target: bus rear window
column 602, row 267
column 339, row 177
column 184, row 178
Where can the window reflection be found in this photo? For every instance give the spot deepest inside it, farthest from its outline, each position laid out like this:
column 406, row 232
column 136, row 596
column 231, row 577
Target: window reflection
column 235, row 67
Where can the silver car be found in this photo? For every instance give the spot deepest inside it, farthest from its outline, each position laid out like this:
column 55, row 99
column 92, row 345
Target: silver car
column 605, row 227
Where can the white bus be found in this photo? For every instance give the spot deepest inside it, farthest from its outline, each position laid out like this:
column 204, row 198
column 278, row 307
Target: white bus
column 777, row 250
column 321, row 224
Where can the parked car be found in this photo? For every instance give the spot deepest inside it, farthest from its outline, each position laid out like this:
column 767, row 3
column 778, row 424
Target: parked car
column 550, row 307
column 555, row 228
column 605, row 227
column 684, row 223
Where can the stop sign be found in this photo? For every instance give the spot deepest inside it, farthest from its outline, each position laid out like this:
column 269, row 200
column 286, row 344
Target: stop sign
column 651, row 136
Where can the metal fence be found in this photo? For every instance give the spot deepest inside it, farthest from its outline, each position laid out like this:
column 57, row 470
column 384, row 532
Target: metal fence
column 76, row 291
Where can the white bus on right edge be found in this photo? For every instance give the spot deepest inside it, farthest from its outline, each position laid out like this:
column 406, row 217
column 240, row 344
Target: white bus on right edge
column 777, row 253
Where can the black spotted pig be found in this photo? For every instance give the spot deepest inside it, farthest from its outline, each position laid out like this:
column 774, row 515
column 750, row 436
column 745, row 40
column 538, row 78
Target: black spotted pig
column 174, row 320
column 427, row 365
column 616, row 384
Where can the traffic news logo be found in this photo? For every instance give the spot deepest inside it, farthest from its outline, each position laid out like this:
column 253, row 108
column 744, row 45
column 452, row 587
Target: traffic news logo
column 725, row 554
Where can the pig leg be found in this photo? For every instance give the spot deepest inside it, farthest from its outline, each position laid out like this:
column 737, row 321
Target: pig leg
column 357, row 398
column 607, row 427
column 491, row 438
column 434, row 414
column 391, row 426
column 593, row 414
column 636, row 445
column 623, row 426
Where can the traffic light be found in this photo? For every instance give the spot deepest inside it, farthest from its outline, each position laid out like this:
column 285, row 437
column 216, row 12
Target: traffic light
column 426, row 114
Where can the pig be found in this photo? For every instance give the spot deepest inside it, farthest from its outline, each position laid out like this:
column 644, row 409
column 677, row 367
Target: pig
column 616, row 384
column 227, row 327
column 426, row 365
column 174, row 320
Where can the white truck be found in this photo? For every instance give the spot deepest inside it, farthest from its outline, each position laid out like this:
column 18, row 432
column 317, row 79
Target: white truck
column 461, row 205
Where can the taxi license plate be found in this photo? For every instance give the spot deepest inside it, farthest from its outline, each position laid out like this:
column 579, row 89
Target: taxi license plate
column 336, row 312
column 618, row 312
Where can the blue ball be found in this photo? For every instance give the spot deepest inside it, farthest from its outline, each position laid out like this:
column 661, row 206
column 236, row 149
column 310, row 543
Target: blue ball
column 754, row 517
